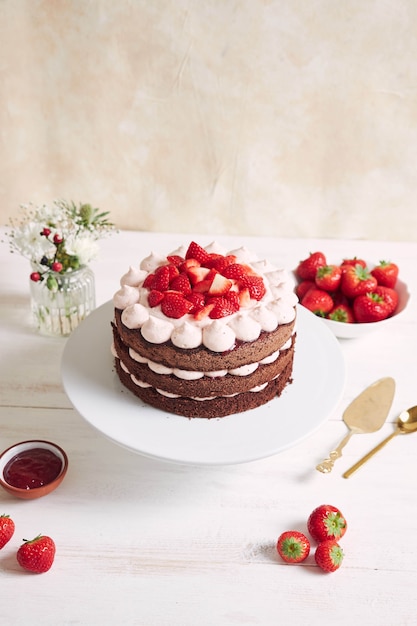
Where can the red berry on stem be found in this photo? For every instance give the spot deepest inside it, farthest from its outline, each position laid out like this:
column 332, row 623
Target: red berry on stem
column 46, row 232
column 35, row 276
column 56, row 266
column 58, row 239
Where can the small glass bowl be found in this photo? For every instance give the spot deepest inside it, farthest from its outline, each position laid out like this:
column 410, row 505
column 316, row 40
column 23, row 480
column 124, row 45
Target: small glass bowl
column 35, row 492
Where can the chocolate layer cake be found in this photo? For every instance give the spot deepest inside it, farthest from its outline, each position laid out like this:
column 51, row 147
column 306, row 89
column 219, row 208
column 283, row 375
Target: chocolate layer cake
column 203, row 332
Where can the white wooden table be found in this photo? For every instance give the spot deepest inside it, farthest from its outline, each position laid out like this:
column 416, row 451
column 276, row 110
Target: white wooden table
column 145, row 542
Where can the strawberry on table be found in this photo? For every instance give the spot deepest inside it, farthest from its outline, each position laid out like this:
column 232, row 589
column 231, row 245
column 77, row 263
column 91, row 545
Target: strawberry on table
column 6, row 529
column 328, row 277
column 329, row 555
column 37, row 555
column 386, row 273
column 342, row 313
column 372, row 307
column 326, row 522
column 307, row 268
column 357, row 280
column 293, row 546
column 318, row 301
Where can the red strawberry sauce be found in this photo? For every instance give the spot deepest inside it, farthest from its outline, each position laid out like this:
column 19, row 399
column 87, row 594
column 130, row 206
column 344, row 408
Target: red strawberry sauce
column 32, row 468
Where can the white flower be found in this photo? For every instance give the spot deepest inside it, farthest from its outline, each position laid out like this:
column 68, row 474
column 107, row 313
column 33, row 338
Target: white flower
column 30, row 243
column 84, row 247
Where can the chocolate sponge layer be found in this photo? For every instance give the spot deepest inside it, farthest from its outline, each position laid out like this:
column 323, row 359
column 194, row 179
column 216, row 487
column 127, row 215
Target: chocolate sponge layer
column 205, row 386
column 207, row 396
column 217, row 407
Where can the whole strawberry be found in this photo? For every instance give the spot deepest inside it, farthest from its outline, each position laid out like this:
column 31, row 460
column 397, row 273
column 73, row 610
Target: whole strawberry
column 386, row 273
column 6, row 529
column 326, row 522
column 329, row 555
column 328, row 277
column 371, row 307
column 357, row 280
column 37, row 555
column 307, row 268
column 318, row 301
column 390, row 297
column 293, row 546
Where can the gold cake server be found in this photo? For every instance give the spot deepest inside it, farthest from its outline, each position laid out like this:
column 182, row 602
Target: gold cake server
column 365, row 414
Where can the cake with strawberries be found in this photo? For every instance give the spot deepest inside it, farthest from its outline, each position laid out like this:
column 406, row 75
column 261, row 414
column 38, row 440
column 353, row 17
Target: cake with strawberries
column 205, row 332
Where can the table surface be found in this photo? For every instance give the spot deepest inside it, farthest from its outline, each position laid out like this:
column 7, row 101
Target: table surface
column 143, row 541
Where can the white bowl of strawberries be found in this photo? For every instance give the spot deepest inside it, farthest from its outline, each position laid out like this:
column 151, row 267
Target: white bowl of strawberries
column 353, row 297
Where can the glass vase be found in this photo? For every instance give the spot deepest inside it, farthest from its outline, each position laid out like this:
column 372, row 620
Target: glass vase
column 58, row 311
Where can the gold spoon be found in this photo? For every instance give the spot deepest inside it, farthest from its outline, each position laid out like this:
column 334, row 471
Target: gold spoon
column 406, row 424
column 365, row 414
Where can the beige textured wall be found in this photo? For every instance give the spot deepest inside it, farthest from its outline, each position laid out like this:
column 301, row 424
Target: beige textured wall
column 275, row 117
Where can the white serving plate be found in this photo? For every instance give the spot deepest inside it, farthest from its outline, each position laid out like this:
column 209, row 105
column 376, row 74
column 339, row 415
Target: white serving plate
column 95, row 391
